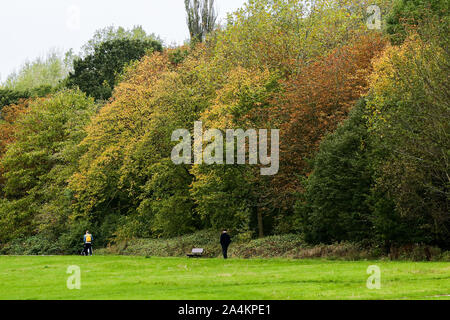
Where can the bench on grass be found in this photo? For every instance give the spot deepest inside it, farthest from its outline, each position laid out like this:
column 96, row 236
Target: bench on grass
column 196, row 253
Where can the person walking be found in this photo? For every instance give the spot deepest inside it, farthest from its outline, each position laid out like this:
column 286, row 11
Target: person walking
column 225, row 241
column 88, row 243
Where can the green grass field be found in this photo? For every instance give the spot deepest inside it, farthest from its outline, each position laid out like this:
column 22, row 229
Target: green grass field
column 126, row 277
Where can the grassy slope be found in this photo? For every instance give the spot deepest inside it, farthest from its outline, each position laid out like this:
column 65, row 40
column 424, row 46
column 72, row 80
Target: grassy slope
column 121, row 277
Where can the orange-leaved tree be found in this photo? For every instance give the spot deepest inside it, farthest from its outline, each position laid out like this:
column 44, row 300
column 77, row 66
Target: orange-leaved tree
column 315, row 101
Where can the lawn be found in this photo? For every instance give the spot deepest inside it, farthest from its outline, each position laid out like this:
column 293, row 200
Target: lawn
column 127, row 277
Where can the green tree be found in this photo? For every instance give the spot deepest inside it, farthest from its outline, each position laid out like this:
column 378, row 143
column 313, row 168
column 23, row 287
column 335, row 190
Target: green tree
column 409, row 115
column 96, row 73
column 410, row 14
column 116, row 33
column 166, row 200
column 47, row 71
column 201, row 18
column 37, row 165
column 334, row 205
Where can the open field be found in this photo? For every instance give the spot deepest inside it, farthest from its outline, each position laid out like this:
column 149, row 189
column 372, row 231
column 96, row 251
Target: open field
column 124, row 277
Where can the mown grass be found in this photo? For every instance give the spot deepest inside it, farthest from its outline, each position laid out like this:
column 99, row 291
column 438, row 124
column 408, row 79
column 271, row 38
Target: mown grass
column 126, row 277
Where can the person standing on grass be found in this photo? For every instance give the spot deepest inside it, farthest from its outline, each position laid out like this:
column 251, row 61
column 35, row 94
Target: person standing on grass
column 225, row 241
column 88, row 243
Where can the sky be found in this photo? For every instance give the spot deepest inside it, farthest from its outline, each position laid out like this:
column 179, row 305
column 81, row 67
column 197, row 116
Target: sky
column 31, row 28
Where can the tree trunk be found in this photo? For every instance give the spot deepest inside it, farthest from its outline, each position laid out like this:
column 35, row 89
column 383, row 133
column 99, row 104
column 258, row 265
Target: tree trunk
column 260, row 223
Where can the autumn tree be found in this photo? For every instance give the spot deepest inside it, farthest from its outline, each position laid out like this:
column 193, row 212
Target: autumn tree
column 282, row 35
column 315, row 101
column 129, row 145
column 13, row 96
column 7, row 123
column 235, row 196
column 8, row 126
column 265, row 50
column 409, row 115
column 39, row 161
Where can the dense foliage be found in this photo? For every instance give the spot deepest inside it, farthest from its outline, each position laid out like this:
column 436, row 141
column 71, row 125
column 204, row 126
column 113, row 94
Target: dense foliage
column 36, row 165
column 408, row 14
column 11, row 96
column 364, row 132
column 334, row 206
column 46, row 71
column 201, row 18
column 96, row 73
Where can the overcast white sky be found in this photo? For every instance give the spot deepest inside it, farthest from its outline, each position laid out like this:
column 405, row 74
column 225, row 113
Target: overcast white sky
column 30, row 28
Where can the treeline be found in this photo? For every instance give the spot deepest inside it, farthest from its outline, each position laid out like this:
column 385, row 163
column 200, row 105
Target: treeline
column 363, row 117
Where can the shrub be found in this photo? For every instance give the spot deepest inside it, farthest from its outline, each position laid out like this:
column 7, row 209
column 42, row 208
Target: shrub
column 35, row 245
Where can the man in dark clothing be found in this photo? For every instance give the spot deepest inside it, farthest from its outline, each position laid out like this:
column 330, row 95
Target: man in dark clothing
column 225, row 241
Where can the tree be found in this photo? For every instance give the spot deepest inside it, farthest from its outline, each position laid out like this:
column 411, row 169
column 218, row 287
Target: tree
column 314, row 102
column 235, row 196
column 411, row 14
column 201, row 18
column 166, row 200
column 116, row 33
column 409, row 114
column 334, row 206
column 116, row 128
column 8, row 127
column 96, row 73
column 223, row 197
column 37, row 164
column 12, row 96
column 9, row 97
column 47, row 71
column 265, row 47
column 125, row 166
column 10, row 115
column 282, row 35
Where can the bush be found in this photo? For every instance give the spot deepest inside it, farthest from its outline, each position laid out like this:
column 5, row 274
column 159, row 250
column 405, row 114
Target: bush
column 35, row 245
column 445, row 256
column 179, row 246
column 291, row 246
column 280, row 246
column 268, row 247
column 416, row 252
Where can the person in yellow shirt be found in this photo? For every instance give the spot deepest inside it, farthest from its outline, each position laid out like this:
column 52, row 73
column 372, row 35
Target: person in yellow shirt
column 88, row 243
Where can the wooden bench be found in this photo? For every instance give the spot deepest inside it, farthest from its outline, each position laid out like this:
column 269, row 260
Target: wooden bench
column 196, row 253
